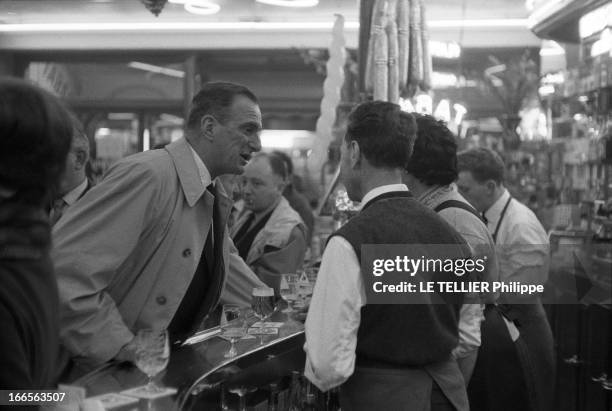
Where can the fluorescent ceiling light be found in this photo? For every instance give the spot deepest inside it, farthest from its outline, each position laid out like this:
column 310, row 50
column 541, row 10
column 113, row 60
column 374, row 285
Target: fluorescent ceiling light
column 603, row 45
column 477, row 23
column 595, row 21
column 551, row 48
column 444, row 49
column 231, row 26
column 203, row 7
column 174, row 26
column 195, row 8
column 495, row 69
column 121, row 116
column 290, row 3
column 157, row 69
column 286, row 139
column 444, row 80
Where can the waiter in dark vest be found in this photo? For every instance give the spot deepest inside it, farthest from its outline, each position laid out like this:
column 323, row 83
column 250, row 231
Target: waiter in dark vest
column 383, row 356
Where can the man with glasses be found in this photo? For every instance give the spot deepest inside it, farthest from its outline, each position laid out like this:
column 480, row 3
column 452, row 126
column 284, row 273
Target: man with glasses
column 148, row 246
column 74, row 183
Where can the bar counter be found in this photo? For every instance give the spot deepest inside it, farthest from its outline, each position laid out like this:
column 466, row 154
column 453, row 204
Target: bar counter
column 198, row 370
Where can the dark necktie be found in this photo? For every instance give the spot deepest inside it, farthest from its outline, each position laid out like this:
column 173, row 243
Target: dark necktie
column 243, row 246
column 206, row 282
column 57, row 210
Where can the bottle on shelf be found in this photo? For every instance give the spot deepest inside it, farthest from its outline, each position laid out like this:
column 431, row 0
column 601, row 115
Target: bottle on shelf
column 273, row 399
column 295, row 393
column 332, row 400
column 309, row 402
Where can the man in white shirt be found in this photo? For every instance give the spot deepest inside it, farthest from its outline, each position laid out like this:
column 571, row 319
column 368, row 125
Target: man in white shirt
column 512, row 371
column 74, row 182
column 383, row 356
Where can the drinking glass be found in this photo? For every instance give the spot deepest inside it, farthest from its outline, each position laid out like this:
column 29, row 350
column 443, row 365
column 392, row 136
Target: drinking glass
column 233, row 326
column 152, row 354
column 288, row 290
column 262, row 305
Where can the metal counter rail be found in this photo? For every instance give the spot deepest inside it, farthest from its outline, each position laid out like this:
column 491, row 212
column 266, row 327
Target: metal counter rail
column 197, row 370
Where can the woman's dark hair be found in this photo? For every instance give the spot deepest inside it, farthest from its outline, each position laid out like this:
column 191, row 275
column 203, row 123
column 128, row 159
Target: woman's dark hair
column 434, row 158
column 35, row 136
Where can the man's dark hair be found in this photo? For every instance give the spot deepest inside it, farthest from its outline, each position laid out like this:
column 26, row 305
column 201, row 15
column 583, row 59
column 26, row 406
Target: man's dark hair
column 285, row 157
column 277, row 164
column 384, row 132
column 215, row 99
column 484, row 164
column 35, row 136
column 434, row 158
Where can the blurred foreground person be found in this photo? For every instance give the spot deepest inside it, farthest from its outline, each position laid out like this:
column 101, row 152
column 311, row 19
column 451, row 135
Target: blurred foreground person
column 35, row 132
column 74, row 183
column 269, row 235
column 383, row 356
column 430, row 176
column 148, row 247
column 515, row 367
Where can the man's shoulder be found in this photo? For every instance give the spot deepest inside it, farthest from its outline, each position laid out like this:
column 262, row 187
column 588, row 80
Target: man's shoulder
column 149, row 163
column 523, row 223
column 285, row 215
column 465, row 221
column 521, row 214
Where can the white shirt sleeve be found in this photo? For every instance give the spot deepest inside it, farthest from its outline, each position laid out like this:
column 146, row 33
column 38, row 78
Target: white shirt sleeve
column 334, row 316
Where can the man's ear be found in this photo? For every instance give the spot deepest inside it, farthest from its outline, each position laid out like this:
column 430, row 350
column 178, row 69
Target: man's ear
column 354, row 154
column 81, row 159
column 207, row 126
column 491, row 186
column 281, row 185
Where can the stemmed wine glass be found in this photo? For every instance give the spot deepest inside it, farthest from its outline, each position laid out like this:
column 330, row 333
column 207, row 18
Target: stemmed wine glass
column 233, row 326
column 152, row 354
column 262, row 305
column 288, row 290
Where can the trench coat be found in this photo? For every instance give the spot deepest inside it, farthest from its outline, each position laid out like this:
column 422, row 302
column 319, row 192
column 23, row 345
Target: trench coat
column 126, row 253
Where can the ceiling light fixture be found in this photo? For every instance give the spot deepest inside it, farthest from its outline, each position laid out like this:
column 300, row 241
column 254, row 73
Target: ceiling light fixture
column 203, row 7
column 157, row 69
column 551, row 48
column 290, row 3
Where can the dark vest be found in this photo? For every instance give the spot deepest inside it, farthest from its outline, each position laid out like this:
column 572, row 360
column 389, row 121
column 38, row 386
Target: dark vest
column 403, row 335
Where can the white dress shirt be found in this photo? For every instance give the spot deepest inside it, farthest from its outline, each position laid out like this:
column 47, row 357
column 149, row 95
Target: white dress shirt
column 335, row 310
column 522, row 242
column 202, row 170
